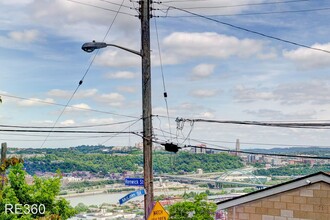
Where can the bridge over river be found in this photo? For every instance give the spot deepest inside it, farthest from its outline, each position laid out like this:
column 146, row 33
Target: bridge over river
column 217, row 182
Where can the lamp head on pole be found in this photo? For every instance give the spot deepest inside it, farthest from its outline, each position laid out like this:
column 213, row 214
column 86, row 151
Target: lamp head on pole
column 91, row 46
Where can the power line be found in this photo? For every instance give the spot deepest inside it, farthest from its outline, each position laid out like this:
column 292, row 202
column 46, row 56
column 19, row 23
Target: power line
column 251, row 31
column 70, row 131
column 163, row 78
column 260, row 153
column 62, row 112
column 238, row 5
column 252, row 13
column 183, row 1
column 58, row 127
column 63, row 139
column 69, row 106
column 99, row 7
column 248, row 143
column 175, row 148
column 113, row 3
column 128, row 127
column 286, row 121
column 267, row 124
column 85, row 74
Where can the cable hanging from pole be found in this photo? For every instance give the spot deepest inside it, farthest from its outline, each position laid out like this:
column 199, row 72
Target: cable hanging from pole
column 314, row 125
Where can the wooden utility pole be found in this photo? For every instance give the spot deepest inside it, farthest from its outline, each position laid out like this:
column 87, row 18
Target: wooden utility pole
column 3, row 159
column 146, row 106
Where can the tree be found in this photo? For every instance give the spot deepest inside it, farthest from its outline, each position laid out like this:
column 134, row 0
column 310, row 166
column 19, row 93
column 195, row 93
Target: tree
column 194, row 210
column 36, row 201
column 81, row 207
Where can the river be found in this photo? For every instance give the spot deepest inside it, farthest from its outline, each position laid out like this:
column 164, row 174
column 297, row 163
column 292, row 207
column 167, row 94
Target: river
column 113, row 198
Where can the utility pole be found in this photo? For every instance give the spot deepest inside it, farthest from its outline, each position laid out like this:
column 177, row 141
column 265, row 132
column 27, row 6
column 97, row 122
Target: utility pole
column 146, row 106
column 3, row 159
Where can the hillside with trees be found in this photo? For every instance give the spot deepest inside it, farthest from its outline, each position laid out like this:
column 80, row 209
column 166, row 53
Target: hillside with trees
column 292, row 170
column 99, row 160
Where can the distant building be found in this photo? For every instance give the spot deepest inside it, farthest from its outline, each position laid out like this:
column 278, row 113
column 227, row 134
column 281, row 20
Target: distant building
column 200, row 149
column 199, row 171
column 251, row 158
column 237, row 148
column 139, row 145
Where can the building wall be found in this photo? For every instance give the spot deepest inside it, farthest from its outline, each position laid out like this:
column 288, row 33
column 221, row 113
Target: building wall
column 308, row 202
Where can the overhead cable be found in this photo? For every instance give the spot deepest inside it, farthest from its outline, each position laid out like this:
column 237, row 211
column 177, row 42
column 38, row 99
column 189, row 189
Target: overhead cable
column 163, row 78
column 208, row 141
column 261, row 153
column 84, row 75
column 99, row 7
column 251, row 31
column 67, row 127
column 232, row 6
column 68, row 131
column 267, row 124
column 69, row 106
column 250, row 13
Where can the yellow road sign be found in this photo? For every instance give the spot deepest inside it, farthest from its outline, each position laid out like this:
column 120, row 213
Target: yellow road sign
column 158, row 213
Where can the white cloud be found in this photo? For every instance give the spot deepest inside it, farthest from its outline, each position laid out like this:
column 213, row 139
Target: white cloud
column 114, row 58
column 203, row 93
column 314, row 92
column 16, row 2
column 78, row 107
column 35, row 102
column 162, row 111
column 244, row 94
column 59, row 93
column 100, row 121
column 25, row 36
column 65, row 94
column 202, row 71
column 280, row 115
column 47, row 122
column 67, row 122
column 208, row 115
column 212, row 6
column 82, row 22
column 305, row 58
column 81, row 105
column 121, row 75
column 128, row 89
column 113, row 99
column 184, row 45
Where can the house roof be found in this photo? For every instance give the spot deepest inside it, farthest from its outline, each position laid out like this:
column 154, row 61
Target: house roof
column 283, row 187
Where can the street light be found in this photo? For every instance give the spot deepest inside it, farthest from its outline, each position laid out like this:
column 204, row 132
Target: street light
column 146, row 105
column 91, row 46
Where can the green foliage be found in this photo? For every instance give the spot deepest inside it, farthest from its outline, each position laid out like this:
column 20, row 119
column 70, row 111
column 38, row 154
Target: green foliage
column 189, row 162
column 259, row 165
column 81, row 207
column 195, row 210
column 42, row 192
column 292, row 170
column 73, row 160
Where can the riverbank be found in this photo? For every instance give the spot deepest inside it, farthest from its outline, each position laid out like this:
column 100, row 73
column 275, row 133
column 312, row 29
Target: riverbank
column 104, row 191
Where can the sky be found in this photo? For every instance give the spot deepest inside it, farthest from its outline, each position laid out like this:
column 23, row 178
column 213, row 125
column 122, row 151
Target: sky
column 241, row 60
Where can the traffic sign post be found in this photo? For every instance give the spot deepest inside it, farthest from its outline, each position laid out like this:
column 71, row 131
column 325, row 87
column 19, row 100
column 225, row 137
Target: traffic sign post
column 134, row 181
column 158, row 213
column 132, row 195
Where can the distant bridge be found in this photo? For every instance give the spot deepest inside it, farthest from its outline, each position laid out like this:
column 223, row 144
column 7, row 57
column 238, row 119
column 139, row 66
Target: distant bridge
column 215, row 181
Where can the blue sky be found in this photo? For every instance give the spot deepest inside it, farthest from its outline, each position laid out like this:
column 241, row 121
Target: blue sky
column 211, row 71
